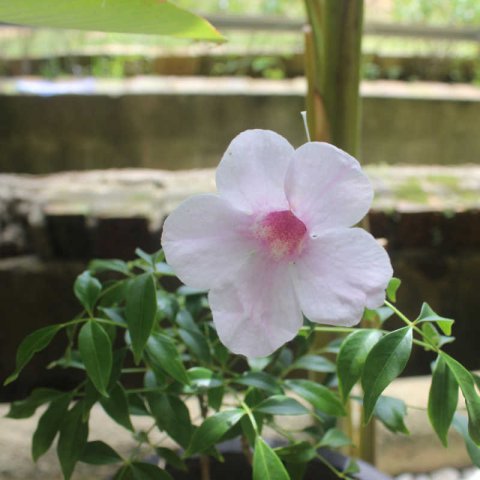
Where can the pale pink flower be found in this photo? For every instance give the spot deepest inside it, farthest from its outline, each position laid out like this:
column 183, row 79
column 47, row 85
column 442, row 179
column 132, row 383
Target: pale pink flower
column 275, row 242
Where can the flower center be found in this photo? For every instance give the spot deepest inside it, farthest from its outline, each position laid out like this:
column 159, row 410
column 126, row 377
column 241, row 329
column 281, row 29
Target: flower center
column 281, row 234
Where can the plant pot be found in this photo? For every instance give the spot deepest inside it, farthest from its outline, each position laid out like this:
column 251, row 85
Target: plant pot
column 235, row 467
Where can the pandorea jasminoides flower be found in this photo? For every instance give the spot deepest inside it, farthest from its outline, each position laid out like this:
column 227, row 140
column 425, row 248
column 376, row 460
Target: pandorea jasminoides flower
column 276, row 241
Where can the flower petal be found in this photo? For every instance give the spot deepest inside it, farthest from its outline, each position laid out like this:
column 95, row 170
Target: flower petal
column 251, row 175
column 339, row 274
column 204, row 241
column 259, row 311
column 326, row 187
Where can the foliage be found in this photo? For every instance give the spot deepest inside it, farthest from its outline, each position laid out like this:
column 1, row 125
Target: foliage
column 147, row 350
column 452, row 12
column 128, row 16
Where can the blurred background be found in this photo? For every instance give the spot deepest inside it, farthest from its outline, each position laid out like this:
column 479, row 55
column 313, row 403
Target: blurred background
column 101, row 135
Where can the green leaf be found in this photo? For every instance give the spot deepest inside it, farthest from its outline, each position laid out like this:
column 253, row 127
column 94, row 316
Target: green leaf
column 266, row 463
column 99, row 453
column 114, row 294
column 172, row 416
column 351, row 358
column 258, row 363
column 158, row 17
column 196, row 343
column 86, row 288
column 261, row 380
column 212, row 430
column 334, row 438
column 281, row 405
column 140, row 311
column 460, row 424
column 116, row 407
column 428, row 315
column 215, row 397
column 112, row 265
column 185, row 320
column 314, row 363
column 31, row 344
column 300, row 452
column 467, row 385
column 318, row 395
column 393, row 286
column 384, row 363
column 377, row 316
column 171, row 458
column 147, row 471
column 48, row 425
column 391, row 412
column 202, row 378
column 162, row 352
column 27, row 407
column 96, row 352
column 72, row 440
column 442, row 399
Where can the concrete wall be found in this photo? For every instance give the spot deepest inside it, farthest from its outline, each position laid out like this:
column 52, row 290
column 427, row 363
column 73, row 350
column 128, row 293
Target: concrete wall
column 186, row 123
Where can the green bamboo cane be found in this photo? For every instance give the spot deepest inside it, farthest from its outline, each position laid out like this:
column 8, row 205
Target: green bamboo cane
column 332, row 58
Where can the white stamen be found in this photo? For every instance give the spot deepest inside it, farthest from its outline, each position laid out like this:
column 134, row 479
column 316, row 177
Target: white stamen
column 305, row 123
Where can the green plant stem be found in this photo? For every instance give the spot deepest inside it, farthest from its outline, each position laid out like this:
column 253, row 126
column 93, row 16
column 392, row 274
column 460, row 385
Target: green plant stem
column 413, row 325
column 338, row 473
column 321, row 328
column 204, row 459
column 250, row 416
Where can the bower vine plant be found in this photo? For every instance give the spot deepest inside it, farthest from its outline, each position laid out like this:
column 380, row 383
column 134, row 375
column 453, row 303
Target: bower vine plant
column 270, row 264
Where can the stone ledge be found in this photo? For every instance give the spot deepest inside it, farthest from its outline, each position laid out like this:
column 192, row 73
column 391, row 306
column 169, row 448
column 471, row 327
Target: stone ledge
column 107, row 213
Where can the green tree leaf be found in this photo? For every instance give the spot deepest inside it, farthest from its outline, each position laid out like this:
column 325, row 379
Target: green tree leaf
column 391, row 412
column 266, row 463
column 318, row 395
column 112, row 265
column 472, row 400
column 196, row 344
column 261, row 380
column 172, row 416
column 162, row 352
column 31, row 344
column 386, row 360
column 96, row 352
column 147, row 471
column 428, row 315
column 140, row 311
column 351, row 358
column 86, row 288
column 171, row 458
column 393, row 286
column 215, row 397
column 281, row 405
column 314, row 363
column 334, row 438
column 48, row 425
column 72, row 440
column 127, row 16
column 460, row 424
column 99, row 453
column 300, row 452
column 442, row 399
column 212, row 430
column 27, row 407
column 202, row 378
column 116, row 407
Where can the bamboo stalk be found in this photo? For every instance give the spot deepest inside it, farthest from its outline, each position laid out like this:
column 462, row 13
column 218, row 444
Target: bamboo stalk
column 332, row 58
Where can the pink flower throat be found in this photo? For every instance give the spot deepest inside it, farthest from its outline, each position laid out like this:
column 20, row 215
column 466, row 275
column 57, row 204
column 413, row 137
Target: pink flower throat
column 281, row 234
